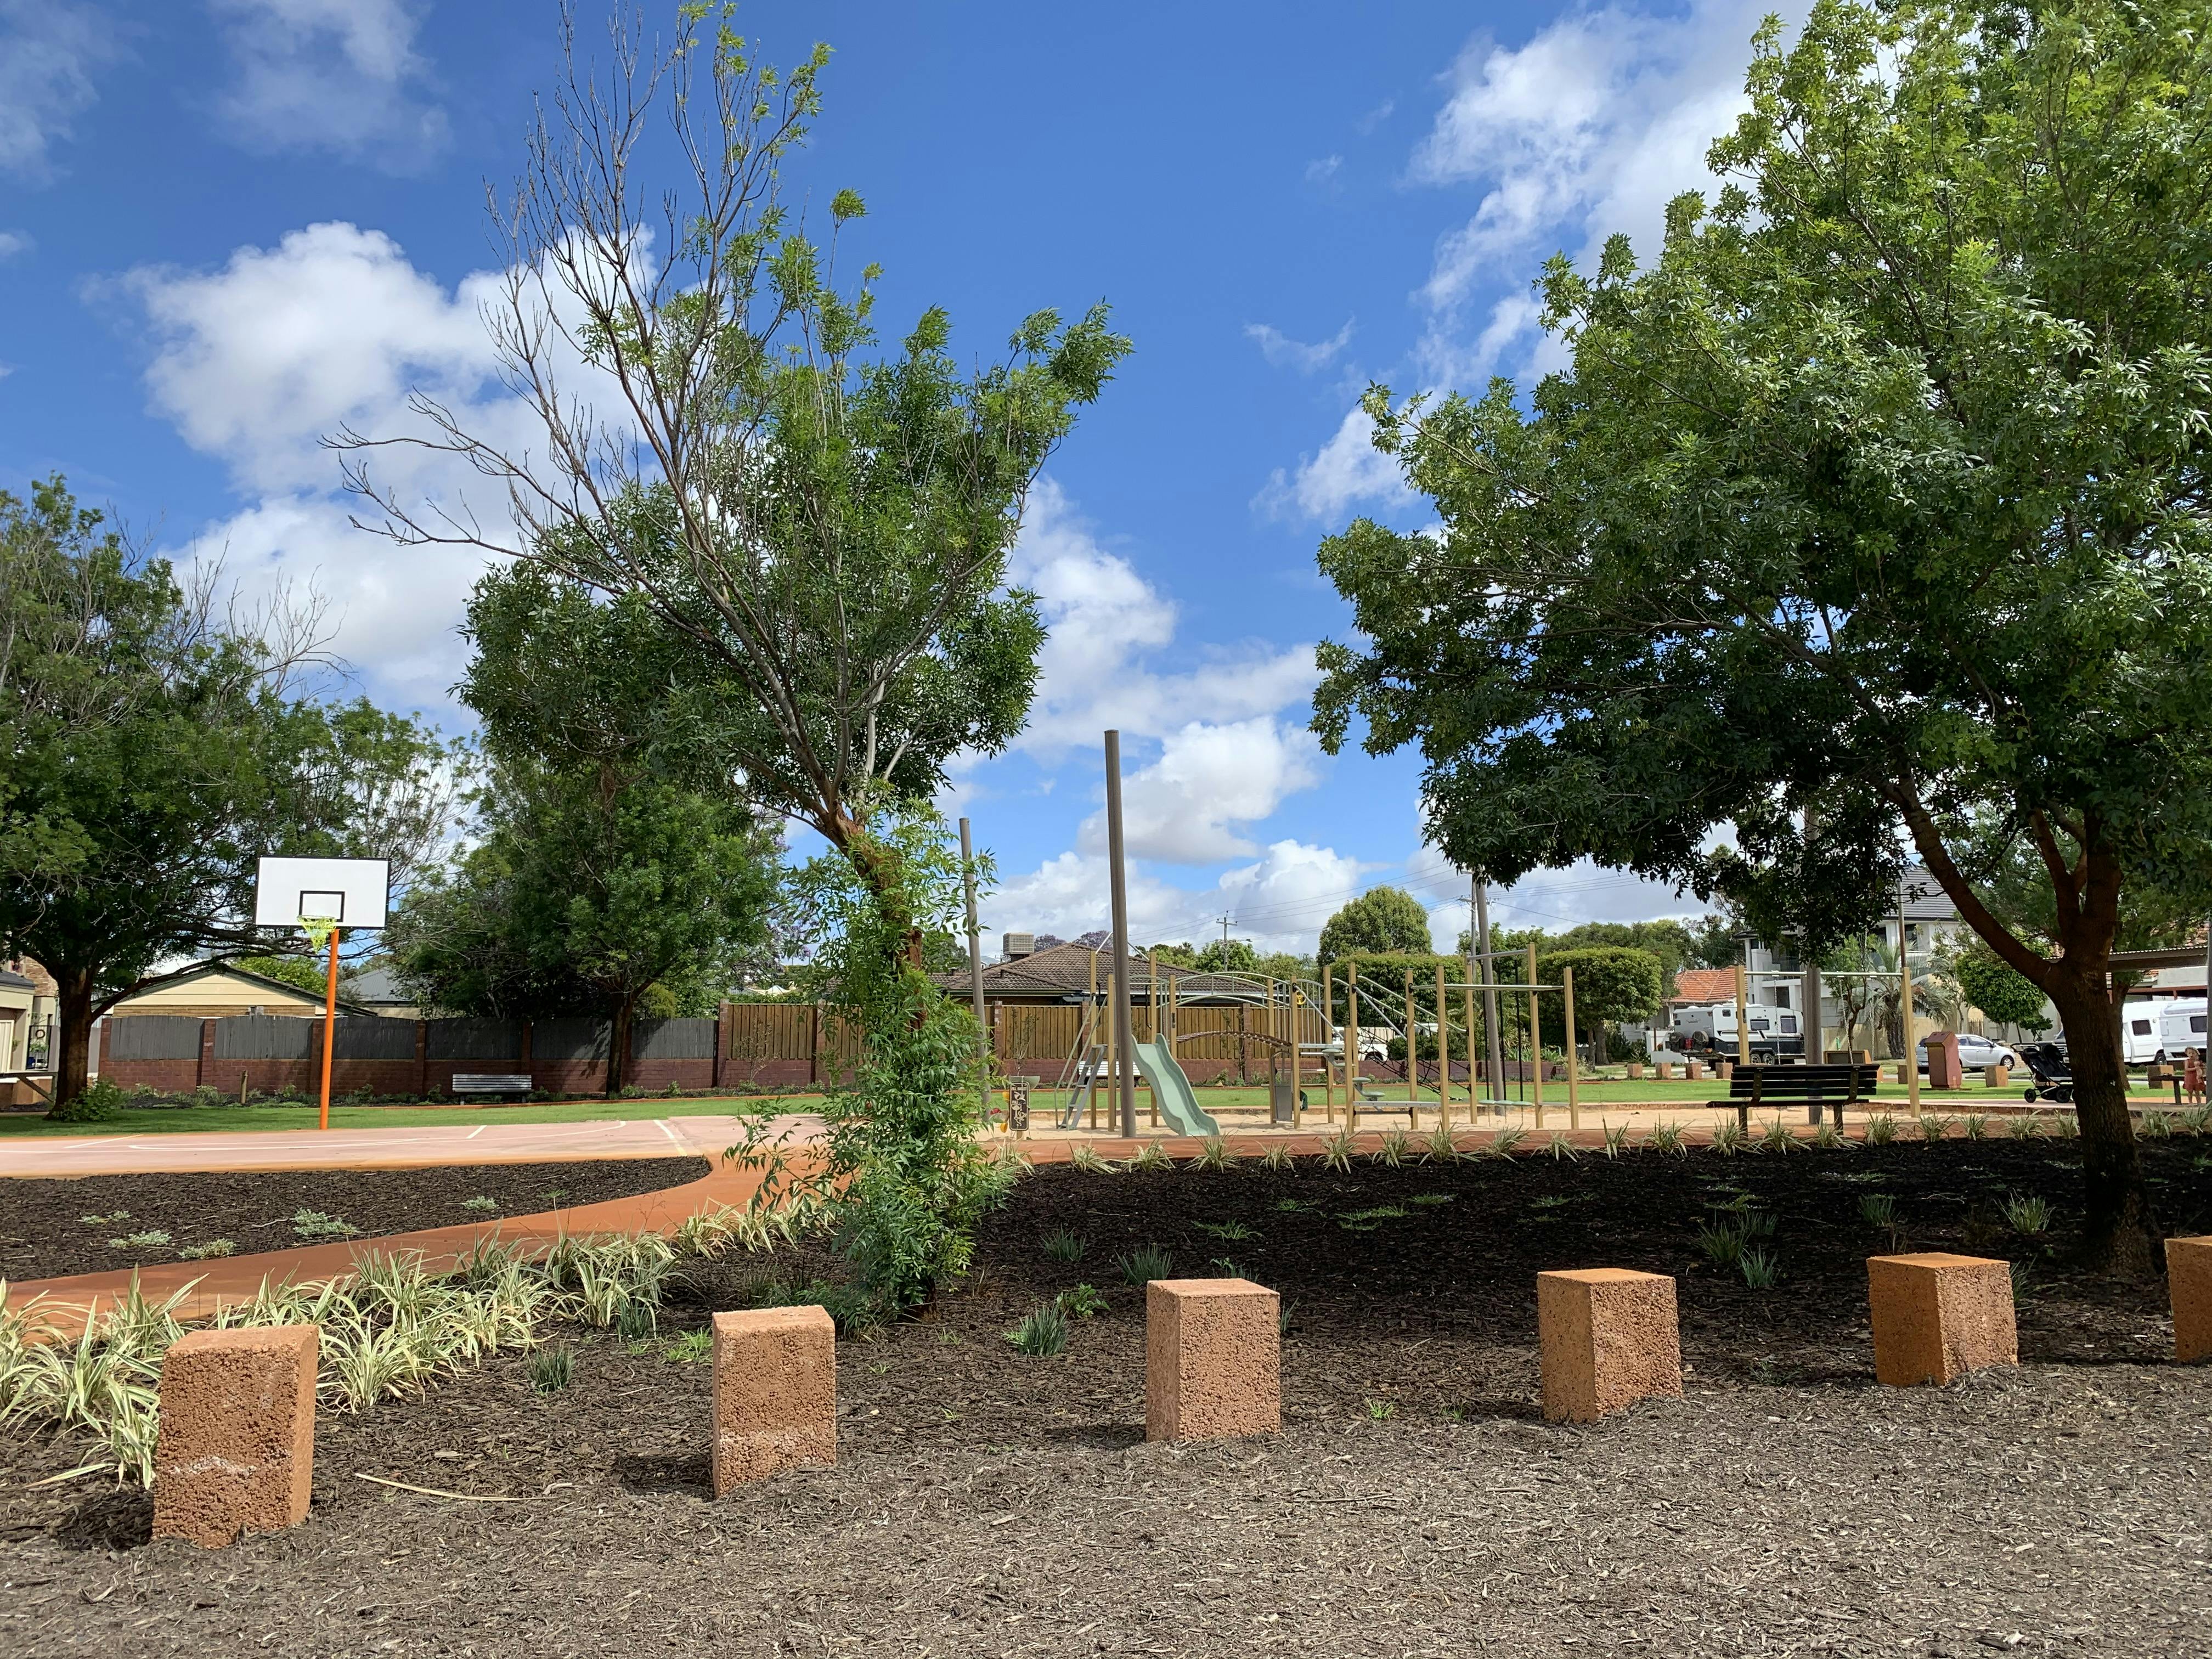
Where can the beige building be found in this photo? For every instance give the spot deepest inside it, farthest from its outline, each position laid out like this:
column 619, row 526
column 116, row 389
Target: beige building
column 27, row 1018
column 218, row 990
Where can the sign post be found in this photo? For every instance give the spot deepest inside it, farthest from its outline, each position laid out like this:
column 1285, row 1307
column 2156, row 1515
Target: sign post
column 323, row 897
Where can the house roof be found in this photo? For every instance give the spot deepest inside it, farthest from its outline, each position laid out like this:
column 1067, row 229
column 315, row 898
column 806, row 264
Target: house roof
column 379, row 984
column 1702, row 985
column 14, row 981
column 199, row 970
column 1062, row 971
column 1924, row 899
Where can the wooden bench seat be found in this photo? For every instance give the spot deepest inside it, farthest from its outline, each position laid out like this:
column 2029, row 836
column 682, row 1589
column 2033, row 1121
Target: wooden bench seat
column 1759, row 1085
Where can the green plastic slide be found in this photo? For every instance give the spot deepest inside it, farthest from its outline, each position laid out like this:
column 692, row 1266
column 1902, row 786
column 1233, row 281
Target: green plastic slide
column 1178, row 1105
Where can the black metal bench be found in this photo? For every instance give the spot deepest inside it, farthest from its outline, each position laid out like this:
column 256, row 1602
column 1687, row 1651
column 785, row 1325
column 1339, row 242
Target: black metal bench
column 1759, row 1085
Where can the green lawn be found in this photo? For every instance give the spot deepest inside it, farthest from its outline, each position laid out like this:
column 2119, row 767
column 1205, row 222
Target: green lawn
column 191, row 1120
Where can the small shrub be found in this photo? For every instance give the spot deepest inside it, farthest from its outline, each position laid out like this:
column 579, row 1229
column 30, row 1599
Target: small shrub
column 101, row 1101
column 1064, row 1246
column 1722, row 1242
column 2065, row 1126
column 1728, row 1137
column 1154, row 1156
column 1279, row 1158
column 1616, row 1140
column 1042, row 1333
column 1975, row 1125
column 1829, row 1137
column 2196, row 1120
column 1085, row 1158
column 691, row 1347
column 1426, row 1199
column 1759, row 1268
column 1932, row 1126
column 1880, row 1129
column 1367, row 1220
column 1226, row 1266
column 1230, row 1232
column 482, row 1205
column 1439, row 1146
column 1336, row 1150
column 1878, row 1210
column 551, row 1369
column 313, row 1223
column 2023, row 1278
column 1667, row 1139
column 2025, row 1212
column 2155, row 1125
column 116, row 1219
column 214, row 1247
column 1143, row 1264
column 1776, row 1137
column 1381, row 1411
column 1503, row 1143
column 1283, row 1319
column 1391, row 1150
column 638, row 1320
column 1081, row 1303
column 1560, row 1147
column 2022, row 1126
column 1216, row 1154
column 146, row 1241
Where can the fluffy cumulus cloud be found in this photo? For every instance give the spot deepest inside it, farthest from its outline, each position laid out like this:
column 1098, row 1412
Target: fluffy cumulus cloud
column 1210, row 778
column 1590, row 127
column 342, row 75
column 49, row 52
column 256, row 362
column 1268, row 901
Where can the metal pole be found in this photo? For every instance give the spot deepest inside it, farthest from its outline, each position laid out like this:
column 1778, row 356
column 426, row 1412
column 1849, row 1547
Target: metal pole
column 1574, row 1091
column 1124, row 1083
column 1492, row 1045
column 976, row 972
column 1443, row 1055
column 1905, row 1003
column 1535, row 1045
column 1742, row 1024
column 330, row 1027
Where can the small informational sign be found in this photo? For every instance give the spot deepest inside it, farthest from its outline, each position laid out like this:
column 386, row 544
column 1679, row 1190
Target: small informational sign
column 1017, row 1108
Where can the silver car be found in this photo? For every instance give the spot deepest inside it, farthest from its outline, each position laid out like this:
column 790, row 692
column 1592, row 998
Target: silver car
column 1977, row 1053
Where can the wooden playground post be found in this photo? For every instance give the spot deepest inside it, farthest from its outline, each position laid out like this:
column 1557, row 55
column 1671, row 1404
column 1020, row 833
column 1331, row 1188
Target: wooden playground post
column 1742, row 1020
column 1298, row 1062
column 1328, row 1018
column 1351, row 1047
column 1574, row 1092
column 1443, row 1055
column 1535, row 1045
column 1474, row 1094
column 1904, row 1009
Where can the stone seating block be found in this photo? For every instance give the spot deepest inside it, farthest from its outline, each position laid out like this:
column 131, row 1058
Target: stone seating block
column 775, row 1393
column 1213, row 1360
column 1610, row 1337
column 234, row 1452
column 2188, row 1283
column 1937, row 1317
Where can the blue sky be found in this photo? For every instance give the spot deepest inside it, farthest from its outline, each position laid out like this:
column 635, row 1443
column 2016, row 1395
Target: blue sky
column 227, row 227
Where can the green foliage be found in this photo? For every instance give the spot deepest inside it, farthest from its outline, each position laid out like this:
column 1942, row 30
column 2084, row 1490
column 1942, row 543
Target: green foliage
column 1998, row 991
column 296, row 971
column 99, row 1099
column 1064, row 1246
column 2026, row 1212
column 1760, row 1268
column 1143, row 1264
column 155, row 747
column 1384, row 921
column 550, row 1370
column 1612, row 983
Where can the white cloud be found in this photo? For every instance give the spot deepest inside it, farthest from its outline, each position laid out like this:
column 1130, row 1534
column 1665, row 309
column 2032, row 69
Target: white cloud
column 1323, row 173
column 342, row 75
column 1106, row 622
column 1068, row 896
column 1184, row 808
column 1589, row 128
column 48, row 52
column 257, row 361
column 1283, row 352
column 1346, row 471
column 13, row 242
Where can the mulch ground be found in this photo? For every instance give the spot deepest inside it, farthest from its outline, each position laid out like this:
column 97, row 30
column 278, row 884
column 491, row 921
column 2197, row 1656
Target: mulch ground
column 986, row 1502
column 51, row 1229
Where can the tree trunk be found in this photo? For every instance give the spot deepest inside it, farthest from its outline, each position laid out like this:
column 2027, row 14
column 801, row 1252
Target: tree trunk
column 618, row 1045
column 73, row 1044
column 2123, row 1231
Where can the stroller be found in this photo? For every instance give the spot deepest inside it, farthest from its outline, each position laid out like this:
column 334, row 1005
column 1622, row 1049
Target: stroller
column 2054, row 1077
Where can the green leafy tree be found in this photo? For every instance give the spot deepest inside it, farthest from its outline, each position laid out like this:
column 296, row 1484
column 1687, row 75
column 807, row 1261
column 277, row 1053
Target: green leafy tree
column 1871, row 513
column 1998, row 991
column 1226, row 956
column 1614, row 984
column 154, row 748
column 295, row 971
column 1384, row 920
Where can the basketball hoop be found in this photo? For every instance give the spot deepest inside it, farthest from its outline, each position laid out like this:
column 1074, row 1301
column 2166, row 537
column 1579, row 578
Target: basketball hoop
column 322, row 898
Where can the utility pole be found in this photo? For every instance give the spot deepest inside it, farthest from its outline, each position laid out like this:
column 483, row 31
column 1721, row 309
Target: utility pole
column 1126, row 1082
column 975, row 970
column 1492, row 1049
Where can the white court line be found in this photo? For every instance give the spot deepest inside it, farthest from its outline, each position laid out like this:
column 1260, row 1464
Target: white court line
column 481, row 1127
column 670, row 1133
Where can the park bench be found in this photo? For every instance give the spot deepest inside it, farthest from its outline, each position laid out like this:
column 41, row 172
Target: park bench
column 491, row 1083
column 1759, row 1086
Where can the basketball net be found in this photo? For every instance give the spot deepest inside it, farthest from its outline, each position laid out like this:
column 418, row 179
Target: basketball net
column 318, row 932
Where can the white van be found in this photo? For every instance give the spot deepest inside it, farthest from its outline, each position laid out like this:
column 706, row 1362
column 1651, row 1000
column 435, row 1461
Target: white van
column 2161, row 1029
column 1706, row 1027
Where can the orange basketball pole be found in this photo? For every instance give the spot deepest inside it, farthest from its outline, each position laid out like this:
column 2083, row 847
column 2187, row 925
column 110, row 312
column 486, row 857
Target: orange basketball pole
column 330, row 1026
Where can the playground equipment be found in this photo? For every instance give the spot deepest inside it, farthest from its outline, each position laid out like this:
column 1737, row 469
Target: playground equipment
column 1171, row 1089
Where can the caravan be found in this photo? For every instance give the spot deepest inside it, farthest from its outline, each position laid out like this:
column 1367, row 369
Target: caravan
column 2160, row 1031
column 1705, row 1027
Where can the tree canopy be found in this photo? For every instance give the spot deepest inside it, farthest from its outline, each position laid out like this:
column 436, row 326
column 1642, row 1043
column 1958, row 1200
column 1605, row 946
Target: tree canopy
column 1384, row 920
column 1872, row 511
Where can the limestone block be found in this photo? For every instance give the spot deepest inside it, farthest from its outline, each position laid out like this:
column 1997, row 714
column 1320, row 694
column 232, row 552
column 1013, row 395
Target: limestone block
column 1213, row 1360
column 1610, row 1338
column 1937, row 1317
column 1943, row 1068
column 1695, row 1071
column 1666, row 1070
column 235, row 1449
column 775, row 1393
column 2189, row 1282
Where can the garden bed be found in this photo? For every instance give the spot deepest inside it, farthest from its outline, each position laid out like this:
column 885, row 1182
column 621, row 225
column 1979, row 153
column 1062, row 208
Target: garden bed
column 52, row 1229
column 990, row 1503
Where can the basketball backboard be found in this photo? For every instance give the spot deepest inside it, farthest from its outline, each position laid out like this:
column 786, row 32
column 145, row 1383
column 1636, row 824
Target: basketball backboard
column 350, row 892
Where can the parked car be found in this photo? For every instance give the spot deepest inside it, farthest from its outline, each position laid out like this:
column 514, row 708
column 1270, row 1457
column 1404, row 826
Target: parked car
column 1976, row 1053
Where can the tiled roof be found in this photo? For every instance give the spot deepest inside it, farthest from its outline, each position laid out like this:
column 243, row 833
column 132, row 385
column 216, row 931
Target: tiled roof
column 1062, row 970
column 1705, row 985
